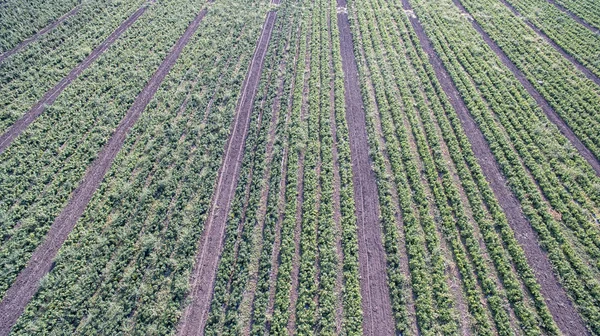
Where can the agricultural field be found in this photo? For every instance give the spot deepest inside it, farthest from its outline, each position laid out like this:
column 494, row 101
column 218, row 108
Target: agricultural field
column 300, row 167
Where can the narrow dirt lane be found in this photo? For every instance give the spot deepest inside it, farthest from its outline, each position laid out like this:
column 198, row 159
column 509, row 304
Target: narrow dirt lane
column 377, row 309
column 211, row 241
column 26, row 284
column 33, row 38
column 559, row 304
column 48, row 99
column 541, row 101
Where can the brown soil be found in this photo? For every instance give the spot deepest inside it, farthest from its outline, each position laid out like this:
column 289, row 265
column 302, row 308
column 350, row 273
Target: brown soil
column 26, row 284
column 575, row 17
column 559, row 304
column 377, row 309
column 211, row 241
column 48, row 99
column 33, row 38
column 548, row 110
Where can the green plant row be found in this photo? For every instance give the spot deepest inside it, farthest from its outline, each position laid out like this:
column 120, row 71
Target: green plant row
column 308, row 280
column 277, row 323
column 283, row 152
column 573, row 97
column 574, row 273
column 46, row 163
column 233, row 272
column 352, row 301
column 21, row 19
column 125, row 268
column 571, row 36
column 27, row 75
column 588, row 10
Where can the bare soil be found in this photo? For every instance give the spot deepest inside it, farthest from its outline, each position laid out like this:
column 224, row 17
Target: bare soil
column 377, row 309
column 546, row 108
column 26, row 284
column 559, row 304
column 211, row 241
column 48, row 99
column 45, row 30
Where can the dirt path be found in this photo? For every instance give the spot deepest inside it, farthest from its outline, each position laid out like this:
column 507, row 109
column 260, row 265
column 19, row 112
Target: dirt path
column 377, row 309
column 559, row 304
column 574, row 17
column 33, row 38
column 48, row 99
column 211, row 241
column 542, row 103
column 26, row 284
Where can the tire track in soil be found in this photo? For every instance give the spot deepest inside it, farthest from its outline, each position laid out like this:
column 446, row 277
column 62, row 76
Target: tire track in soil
column 211, row 242
column 37, row 35
column 48, row 99
column 533, row 92
column 574, row 17
column 562, row 309
column 26, row 283
column 376, row 304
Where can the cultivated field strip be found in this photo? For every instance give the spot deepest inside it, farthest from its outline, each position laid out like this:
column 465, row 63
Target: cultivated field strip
column 562, row 31
column 558, row 210
column 585, row 11
column 542, row 103
column 142, row 225
column 573, row 97
column 590, row 74
column 22, row 20
column 582, row 21
column 31, row 73
column 26, row 284
column 280, row 251
column 398, row 151
column 37, row 35
column 48, row 99
column 378, row 319
column 46, row 163
column 210, row 247
column 330, row 167
column 245, row 224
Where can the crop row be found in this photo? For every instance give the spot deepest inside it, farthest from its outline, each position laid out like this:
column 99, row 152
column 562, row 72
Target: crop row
column 469, row 74
column 23, row 18
column 572, row 96
column 573, row 197
column 448, row 199
column 352, row 318
column 27, row 75
column 434, row 307
column 233, row 272
column 574, row 38
column 588, row 10
column 45, row 164
column 126, row 266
